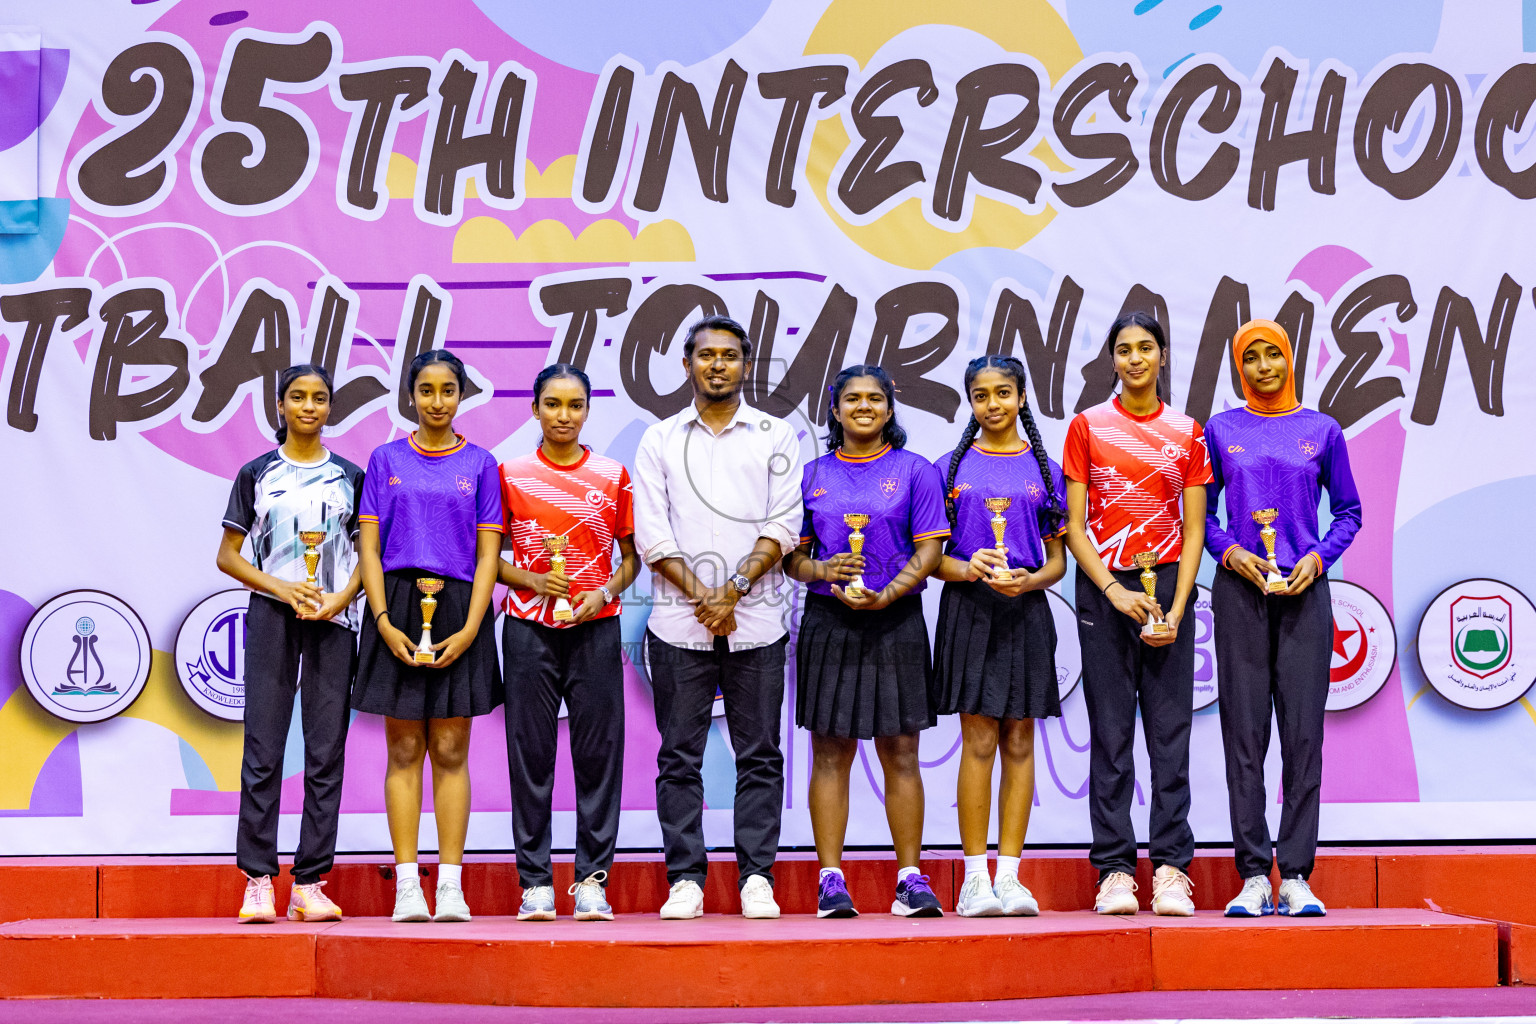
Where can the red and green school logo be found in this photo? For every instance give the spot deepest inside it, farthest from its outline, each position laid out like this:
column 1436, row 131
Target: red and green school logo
column 1469, row 644
column 1480, row 629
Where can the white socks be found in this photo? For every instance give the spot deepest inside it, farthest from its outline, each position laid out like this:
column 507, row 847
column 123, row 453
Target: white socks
column 902, row 874
column 976, row 865
column 451, row 873
column 829, row 871
column 1007, row 866
column 406, row 873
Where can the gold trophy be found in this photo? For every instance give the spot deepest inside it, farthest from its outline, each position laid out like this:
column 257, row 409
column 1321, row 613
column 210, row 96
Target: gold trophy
column 555, row 546
column 311, row 539
column 1147, row 559
column 856, row 521
column 1274, row 582
column 999, row 524
column 425, row 655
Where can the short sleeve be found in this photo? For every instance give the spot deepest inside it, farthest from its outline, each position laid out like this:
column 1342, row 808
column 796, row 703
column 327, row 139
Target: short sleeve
column 240, row 514
column 375, row 484
column 488, row 515
column 929, row 519
column 807, row 527
column 1199, row 458
column 1074, row 454
column 357, row 478
column 624, row 512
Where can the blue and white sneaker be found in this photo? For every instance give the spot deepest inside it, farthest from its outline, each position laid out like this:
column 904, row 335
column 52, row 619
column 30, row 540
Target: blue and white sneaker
column 538, row 904
column 591, row 901
column 1298, row 900
column 915, row 898
column 1253, row 901
column 833, row 899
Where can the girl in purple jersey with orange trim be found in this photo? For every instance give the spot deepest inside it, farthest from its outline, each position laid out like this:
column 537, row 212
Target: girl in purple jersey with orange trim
column 430, row 510
column 1273, row 648
column 861, row 662
column 995, row 653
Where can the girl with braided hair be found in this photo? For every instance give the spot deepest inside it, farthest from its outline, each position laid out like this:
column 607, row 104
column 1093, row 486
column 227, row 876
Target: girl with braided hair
column 995, row 646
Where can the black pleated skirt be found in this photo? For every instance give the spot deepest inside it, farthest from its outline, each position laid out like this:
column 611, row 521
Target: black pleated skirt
column 862, row 674
column 386, row 685
column 995, row 655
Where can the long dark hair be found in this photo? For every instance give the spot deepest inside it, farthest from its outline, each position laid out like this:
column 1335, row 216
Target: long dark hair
column 1009, row 367
column 549, row 373
column 285, row 381
column 892, row 433
column 1147, row 322
column 439, row 355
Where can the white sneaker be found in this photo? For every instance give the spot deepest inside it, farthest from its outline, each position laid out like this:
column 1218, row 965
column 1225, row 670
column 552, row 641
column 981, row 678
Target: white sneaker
column 1253, row 901
column 1016, row 899
column 1170, row 892
column 538, row 904
column 591, row 902
column 757, row 899
column 684, row 902
column 1117, row 894
column 450, row 903
column 977, row 898
column 1298, row 900
column 410, row 902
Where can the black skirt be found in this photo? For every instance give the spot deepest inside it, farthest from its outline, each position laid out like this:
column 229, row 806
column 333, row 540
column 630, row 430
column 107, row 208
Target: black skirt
column 862, row 674
column 385, row 685
column 995, row 655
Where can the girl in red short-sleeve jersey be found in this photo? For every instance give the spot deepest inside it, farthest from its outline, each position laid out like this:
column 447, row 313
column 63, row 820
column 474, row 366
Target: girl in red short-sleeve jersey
column 1136, row 473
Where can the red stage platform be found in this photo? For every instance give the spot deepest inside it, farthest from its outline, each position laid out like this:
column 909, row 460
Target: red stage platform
column 728, row 961
column 163, row 927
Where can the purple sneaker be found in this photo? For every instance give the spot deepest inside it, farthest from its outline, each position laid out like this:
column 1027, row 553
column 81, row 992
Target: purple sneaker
column 834, row 900
column 915, row 898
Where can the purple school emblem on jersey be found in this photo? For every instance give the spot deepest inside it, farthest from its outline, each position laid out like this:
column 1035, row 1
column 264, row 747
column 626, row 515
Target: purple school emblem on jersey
column 1033, row 490
column 466, row 485
column 888, row 486
column 1308, row 448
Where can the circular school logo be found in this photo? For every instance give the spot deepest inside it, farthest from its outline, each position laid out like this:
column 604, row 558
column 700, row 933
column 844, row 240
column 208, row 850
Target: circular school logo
column 85, row 656
column 1204, row 625
column 1469, row 644
column 210, row 654
column 1069, row 656
column 1364, row 646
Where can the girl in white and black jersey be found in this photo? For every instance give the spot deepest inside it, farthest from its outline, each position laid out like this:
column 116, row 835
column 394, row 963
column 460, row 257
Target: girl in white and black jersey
column 294, row 626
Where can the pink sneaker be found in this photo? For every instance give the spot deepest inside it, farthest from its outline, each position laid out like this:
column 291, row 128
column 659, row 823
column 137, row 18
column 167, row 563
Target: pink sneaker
column 308, row 903
column 259, row 907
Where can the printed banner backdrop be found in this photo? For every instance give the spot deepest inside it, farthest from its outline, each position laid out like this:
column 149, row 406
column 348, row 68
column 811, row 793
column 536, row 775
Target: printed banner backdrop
column 194, row 195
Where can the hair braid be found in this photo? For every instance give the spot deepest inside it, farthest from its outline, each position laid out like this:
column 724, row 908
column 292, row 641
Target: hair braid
column 1054, row 513
column 967, row 438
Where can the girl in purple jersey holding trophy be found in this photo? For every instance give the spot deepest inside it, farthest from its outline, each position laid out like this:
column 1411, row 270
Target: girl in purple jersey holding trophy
column 995, row 649
column 1273, row 613
column 430, row 547
column 874, row 527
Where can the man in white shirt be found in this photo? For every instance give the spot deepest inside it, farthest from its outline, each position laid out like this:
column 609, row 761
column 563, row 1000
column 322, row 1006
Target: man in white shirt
column 717, row 506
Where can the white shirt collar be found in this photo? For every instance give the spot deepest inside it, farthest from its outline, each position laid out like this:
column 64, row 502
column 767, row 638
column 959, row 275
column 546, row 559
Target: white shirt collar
column 690, row 414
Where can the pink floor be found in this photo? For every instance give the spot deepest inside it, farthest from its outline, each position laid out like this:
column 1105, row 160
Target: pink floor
column 1419, row 1003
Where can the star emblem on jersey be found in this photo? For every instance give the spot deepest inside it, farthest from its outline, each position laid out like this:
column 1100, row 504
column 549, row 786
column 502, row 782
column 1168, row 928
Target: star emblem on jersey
column 888, row 486
column 1172, row 450
column 595, row 497
column 465, row 485
column 1307, row 447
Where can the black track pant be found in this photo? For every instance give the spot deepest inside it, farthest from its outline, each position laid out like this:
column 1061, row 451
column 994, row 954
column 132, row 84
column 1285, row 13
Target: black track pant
column 582, row 666
column 1272, row 653
column 1120, row 671
column 279, row 646
column 752, row 682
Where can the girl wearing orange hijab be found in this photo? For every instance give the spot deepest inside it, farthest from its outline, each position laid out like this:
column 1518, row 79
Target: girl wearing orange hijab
column 1273, row 618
